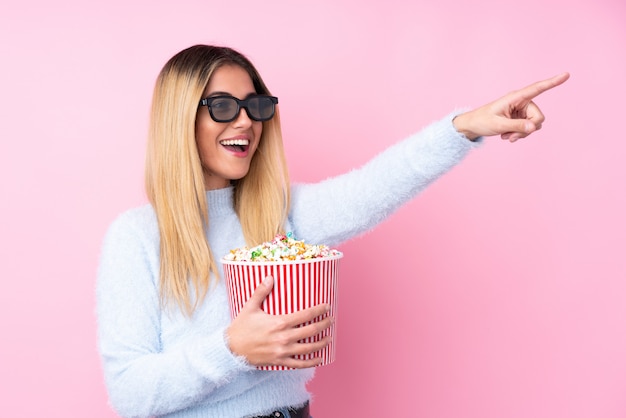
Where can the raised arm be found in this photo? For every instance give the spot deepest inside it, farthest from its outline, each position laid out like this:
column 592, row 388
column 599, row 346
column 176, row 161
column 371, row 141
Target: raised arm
column 345, row 206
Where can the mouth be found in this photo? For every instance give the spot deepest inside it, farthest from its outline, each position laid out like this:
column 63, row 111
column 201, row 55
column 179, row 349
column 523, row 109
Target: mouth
column 236, row 145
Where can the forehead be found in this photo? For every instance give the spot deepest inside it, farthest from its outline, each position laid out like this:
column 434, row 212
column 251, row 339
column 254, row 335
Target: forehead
column 230, row 79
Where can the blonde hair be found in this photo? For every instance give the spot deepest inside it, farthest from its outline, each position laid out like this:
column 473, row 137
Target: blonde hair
column 175, row 182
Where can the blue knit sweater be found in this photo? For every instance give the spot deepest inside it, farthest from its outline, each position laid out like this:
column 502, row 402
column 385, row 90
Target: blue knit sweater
column 160, row 363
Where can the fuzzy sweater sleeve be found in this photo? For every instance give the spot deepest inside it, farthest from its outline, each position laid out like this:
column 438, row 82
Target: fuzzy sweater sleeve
column 143, row 378
column 345, row 206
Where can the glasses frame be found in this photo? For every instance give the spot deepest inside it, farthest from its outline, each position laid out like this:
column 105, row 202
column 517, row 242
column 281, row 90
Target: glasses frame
column 240, row 104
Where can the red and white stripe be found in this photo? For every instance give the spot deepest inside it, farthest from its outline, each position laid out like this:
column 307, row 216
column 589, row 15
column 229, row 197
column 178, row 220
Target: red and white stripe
column 298, row 285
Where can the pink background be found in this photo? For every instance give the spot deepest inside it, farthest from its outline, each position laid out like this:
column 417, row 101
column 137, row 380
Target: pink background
column 499, row 292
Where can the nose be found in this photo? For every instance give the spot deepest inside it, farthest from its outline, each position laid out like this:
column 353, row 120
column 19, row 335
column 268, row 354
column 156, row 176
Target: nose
column 243, row 120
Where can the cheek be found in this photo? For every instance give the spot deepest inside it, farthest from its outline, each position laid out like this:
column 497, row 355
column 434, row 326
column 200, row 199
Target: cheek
column 257, row 130
column 206, row 135
column 206, row 151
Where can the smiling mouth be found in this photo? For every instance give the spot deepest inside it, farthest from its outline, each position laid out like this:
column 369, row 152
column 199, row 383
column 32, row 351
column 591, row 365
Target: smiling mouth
column 236, row 145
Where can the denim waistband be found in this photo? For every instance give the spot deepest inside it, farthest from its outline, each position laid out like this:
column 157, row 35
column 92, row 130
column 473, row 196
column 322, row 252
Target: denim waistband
column 289, row 412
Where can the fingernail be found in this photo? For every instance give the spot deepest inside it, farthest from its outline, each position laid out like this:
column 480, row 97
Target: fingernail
column 268, row 280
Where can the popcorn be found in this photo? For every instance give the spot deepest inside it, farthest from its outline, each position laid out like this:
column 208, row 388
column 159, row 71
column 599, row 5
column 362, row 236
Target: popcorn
column 281, row 248
column 304, row 276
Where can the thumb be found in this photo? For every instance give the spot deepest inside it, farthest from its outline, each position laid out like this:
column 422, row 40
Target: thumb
column 521, row 126
column 261, row 292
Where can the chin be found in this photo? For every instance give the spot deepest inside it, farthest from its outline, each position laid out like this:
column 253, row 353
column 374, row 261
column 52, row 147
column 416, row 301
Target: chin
column 238, row 177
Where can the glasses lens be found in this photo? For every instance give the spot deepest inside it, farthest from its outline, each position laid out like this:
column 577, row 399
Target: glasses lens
column 223, row 109
column 261, row 108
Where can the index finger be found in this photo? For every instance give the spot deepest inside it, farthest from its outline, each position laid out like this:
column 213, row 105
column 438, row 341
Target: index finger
column 535, row 89
column 306, row 315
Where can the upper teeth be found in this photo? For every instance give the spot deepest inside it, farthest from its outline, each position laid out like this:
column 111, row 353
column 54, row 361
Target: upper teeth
column 235, row 142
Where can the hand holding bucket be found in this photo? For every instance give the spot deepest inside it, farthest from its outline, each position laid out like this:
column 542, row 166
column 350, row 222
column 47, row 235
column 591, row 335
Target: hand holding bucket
column 287, row 324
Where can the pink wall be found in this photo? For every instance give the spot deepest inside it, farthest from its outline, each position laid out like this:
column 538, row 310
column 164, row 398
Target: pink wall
column 499, row 292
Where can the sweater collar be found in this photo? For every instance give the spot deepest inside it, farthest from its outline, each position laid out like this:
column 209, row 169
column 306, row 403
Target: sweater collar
column 220, row 201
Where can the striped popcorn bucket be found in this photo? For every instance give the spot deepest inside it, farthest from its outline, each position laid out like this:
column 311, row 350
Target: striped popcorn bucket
column 298, row 284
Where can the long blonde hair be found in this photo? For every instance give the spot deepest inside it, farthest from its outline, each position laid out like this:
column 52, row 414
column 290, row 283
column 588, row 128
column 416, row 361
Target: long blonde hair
column 175, row 182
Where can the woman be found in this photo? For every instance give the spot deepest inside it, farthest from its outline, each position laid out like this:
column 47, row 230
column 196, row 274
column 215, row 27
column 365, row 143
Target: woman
column 217, row 179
